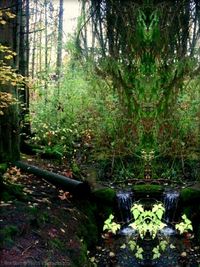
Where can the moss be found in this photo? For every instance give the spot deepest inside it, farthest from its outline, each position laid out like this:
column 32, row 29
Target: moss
column 146, row 188
column 105, row 195
column 7, row 234
column 190, row 195
column 13, row 191
column 80, row 258
column 56, row 243
column 88, row 229
column 187, row 211
column 5, row 196
column 3, row 167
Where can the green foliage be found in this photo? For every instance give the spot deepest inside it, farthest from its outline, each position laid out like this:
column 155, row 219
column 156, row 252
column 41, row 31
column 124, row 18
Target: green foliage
column 185, row 225
column 147, row 221
column 146, row 188
column 189, row 195
column 8, row 75
column 88, row 230
column 12, row 191
column 56, row 243
column 7, row 234
column 85, row 117
column 110, row 225
column 159, row 249
column 106, row 195
column 148, row 224
column 129, row 100
column 156, row 81
column 3, row 167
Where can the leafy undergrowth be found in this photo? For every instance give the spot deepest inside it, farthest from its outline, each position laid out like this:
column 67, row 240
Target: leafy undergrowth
column 40, row 224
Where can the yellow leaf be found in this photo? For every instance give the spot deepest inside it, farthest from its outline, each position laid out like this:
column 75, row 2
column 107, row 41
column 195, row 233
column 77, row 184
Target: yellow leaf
column 8, row 57
column 2, row 22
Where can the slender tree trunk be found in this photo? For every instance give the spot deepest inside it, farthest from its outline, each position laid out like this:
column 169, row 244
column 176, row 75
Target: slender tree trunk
column 40, row 49
column 46, row 51
column 27, row 37
column 59, row 45
column 34, row 43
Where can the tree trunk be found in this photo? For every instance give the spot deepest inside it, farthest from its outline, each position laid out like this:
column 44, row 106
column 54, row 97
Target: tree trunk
column 9, row 121
column 23, row 12
column 34, row 43
column 59, row 47
column 46, row 51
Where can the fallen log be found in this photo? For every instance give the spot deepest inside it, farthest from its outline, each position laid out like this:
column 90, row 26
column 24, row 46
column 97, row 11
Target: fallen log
column 77, row 188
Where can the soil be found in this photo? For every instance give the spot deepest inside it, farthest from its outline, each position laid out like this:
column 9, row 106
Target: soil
column 40, row 224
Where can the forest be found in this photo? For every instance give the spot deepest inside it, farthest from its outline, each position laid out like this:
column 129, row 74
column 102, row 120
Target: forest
column 100, row 133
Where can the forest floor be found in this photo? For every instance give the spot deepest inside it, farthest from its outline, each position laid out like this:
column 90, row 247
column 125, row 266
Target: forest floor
column 40, row 223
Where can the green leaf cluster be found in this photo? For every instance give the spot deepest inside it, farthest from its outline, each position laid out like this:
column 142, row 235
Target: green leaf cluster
column 147, row 221
column 185, row 225
column 111, row 226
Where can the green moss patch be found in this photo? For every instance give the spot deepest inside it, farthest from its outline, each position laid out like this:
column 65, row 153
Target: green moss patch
column 188, row 195
column 7, row 234
column 3, row 167
column 13, row 191
column 146, row 188
column 88, row 229
column 106, row 195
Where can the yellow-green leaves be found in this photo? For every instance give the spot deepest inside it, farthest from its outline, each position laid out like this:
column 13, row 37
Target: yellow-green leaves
column 137, row 249
column 159, row 249
column 8, row 76
column 7, row 52
column 132, row 244
column 6, row 99
column 139, row 252
column 147, row 221
column 136, row 210
column 158, row 209
column 110, row 225
column 185, row 225
column 4, row 15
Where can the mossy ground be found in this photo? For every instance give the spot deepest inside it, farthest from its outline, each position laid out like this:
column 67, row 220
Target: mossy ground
column 42, row 225
column 147, row 190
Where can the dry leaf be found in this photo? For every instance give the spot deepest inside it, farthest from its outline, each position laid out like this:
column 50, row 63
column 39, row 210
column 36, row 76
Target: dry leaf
column 65, row 195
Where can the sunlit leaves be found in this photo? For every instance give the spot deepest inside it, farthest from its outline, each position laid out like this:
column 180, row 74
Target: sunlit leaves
column 8, row 76
column 132, row 244
column 158, row 209
column 156, row 253
column 110, row 225
column 139, row 252
column 147, row 221
column 136, row 210
column 6, row 99
column 159, row 249
column 5, row 15
column 185, row 225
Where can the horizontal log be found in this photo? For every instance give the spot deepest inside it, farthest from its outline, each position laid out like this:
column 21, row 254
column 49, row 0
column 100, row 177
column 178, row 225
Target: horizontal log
column 78, row 188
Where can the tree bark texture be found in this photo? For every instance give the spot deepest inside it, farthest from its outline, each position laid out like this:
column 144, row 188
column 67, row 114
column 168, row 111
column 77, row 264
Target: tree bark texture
column 9, row 122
